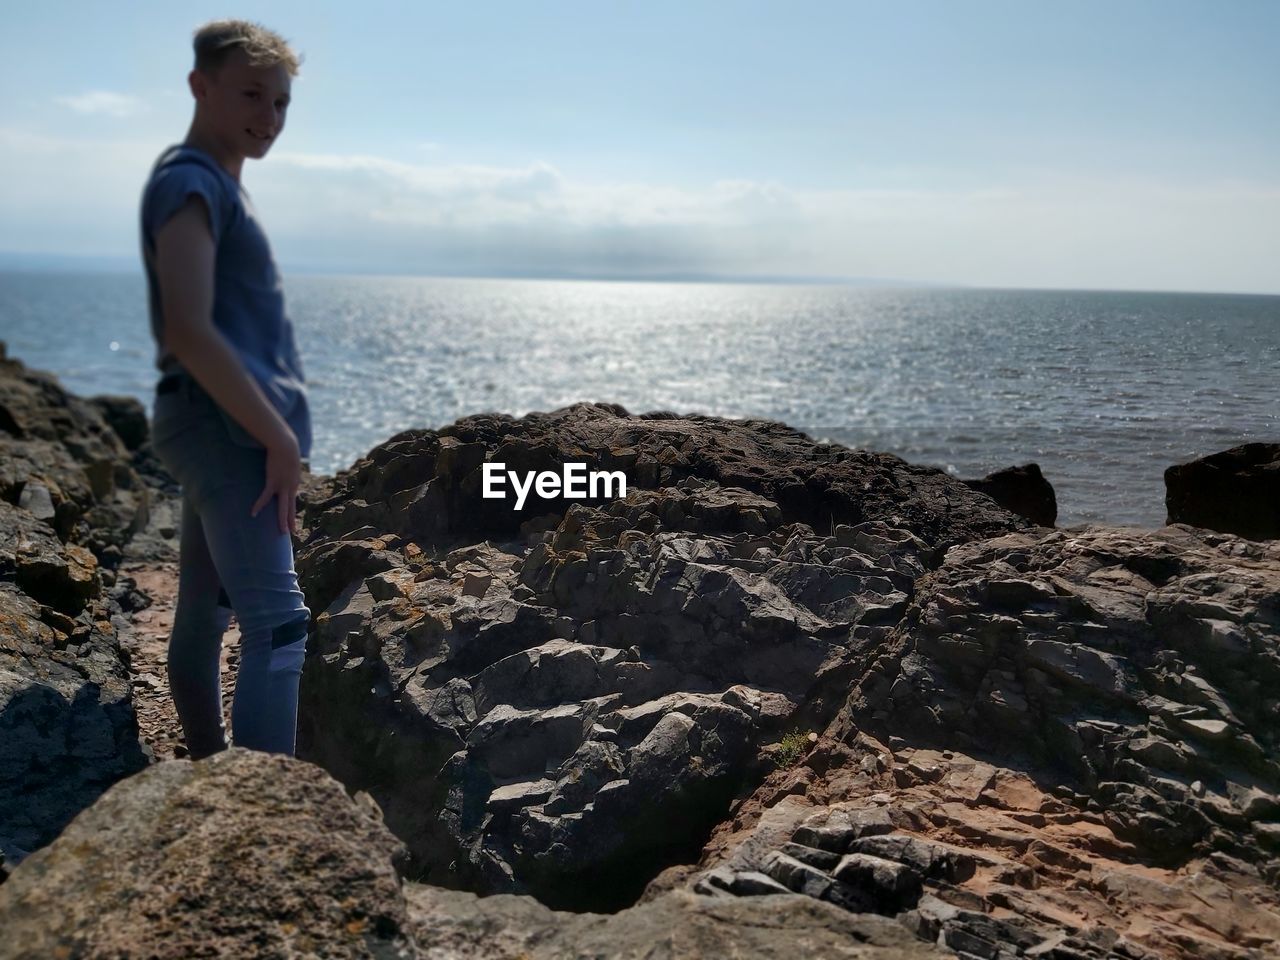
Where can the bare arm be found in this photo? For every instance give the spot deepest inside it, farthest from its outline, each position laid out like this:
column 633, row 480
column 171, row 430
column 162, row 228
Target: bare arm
column 184, row 268
column 185, row 271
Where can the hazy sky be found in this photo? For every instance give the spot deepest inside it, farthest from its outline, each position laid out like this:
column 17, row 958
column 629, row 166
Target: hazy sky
column 1131, row 145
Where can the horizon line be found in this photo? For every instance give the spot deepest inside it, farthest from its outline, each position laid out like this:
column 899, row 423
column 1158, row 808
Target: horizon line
column 37, row 262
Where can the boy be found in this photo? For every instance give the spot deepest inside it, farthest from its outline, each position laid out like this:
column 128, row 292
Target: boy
column 231, row 419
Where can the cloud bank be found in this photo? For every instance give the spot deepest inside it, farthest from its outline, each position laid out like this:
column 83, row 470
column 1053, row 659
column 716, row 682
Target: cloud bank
column 365, row 213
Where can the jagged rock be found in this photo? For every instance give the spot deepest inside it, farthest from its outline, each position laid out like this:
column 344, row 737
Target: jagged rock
column 1064, row 724
column 1233, row 491
column 67, row 724
column 1013, row 850
column 76, row 465
column 638, row 653
column 891, row 883
column 61, row 576
column 253, row 854
column 431, row 480
column 69, row 500
column 1138, row 662
column 1022, row 490
column 1057, row 743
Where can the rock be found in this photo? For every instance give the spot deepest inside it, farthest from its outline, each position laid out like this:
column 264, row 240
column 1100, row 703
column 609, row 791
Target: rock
column 892, row 884
column 1021, row 490
column 127, row 417
column 769, row 926
column 62, row 576
column 925, row 858
column 1082, row 724
column 638, row 652
column 68, row 730
column 72, row 498
column 1109, row 645
column 241, row 854
column 749, row 883
column 73, row 461
column 37, row 501
column 1233, row 491
column 1015, row 740
column 1004, row 862
column 260, row 854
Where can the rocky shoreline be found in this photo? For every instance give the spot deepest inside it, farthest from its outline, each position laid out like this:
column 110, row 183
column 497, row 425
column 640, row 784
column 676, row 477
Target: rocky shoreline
column 781, row 693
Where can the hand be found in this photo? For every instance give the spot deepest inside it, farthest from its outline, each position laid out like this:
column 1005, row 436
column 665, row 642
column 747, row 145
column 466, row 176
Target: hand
column 284, row 476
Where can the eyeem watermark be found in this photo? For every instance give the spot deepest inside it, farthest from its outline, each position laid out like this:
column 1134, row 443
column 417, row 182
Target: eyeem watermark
column 550, row 484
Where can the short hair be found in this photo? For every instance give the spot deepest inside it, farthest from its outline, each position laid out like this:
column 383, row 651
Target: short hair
column 214, row 42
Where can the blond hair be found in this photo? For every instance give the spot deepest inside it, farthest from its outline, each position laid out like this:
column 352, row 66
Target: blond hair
column 214, row 42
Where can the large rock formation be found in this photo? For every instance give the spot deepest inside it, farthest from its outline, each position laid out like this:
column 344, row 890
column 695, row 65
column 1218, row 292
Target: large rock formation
column 69, row 499
column 246, row 854
column 1070, row 739
column 563, row 699
column 853, row 707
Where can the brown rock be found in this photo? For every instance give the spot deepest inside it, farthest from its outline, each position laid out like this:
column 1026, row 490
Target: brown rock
column 241, row 854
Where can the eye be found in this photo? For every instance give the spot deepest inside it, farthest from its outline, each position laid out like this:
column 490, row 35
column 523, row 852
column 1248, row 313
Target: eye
column 282, row 104
column 251, row 94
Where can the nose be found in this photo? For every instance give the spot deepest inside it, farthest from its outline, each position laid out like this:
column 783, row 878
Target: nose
column 270, row 120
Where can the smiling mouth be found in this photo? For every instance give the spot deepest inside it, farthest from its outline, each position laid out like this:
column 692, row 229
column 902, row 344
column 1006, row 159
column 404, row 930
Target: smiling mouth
column 258, row 136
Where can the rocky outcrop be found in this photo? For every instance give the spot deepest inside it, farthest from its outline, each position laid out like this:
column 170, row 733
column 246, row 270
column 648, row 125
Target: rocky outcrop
column 782, row 697
column 563, row 700
column 1022, row 490
column 1144, row 665
column 69, row 501
column 61, row 461
column 67, row 727
column 1233, row 491
column 246, row 854
column 426, row 485
column 1068, row 747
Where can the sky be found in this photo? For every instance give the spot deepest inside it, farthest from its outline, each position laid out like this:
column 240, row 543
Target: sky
column 1091, row 145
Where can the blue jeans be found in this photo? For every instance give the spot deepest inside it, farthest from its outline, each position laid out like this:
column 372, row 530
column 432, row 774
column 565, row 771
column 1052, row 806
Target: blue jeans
column 225, row 549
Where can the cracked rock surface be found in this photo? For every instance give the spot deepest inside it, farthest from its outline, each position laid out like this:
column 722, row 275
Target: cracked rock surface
column 245, row 854
column 563, row 700
column 1067, row 748
column 69, row 498
column 783, row 699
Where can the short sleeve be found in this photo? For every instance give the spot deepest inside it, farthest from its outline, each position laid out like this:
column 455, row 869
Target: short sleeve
column 170, row 190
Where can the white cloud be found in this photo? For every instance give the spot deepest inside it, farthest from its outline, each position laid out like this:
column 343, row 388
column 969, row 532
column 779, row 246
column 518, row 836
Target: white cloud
column 104, row 103
column 365, row 212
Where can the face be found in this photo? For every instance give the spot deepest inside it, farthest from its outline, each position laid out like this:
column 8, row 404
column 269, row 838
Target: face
column 244, row 106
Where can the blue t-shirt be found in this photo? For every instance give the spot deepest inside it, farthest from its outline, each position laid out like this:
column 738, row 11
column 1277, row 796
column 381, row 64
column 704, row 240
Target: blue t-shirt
column 248, row 300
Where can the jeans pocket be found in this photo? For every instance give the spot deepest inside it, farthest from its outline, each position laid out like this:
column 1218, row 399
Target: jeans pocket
column 182, row 443
column 173, row 415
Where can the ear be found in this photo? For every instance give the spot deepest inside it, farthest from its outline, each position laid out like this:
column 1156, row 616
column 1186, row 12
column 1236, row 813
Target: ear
column 198, row 83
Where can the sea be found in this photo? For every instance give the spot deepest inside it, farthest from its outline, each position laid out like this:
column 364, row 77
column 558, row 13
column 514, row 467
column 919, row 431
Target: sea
column 1103, row 390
